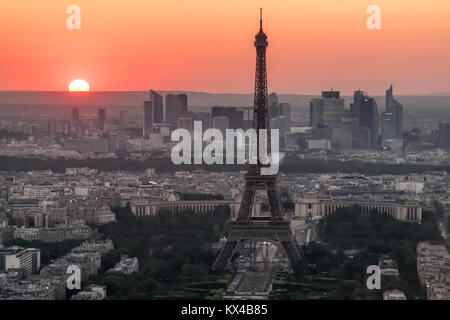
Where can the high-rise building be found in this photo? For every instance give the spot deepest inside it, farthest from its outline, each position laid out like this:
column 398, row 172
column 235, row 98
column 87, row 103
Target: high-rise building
column 389, row 138
column 235, row 116
column 355, row 107
column 368, row 112
column 277, row 109
column 279, row 116
column 273, row 98
column 327, row 110
column 315, row 112
column 221, row 123
column 443, row 136
column 365, row 109
column 247, row 120
column 369, row 119
column 176, row 106
column 285, row 110
column 388, row 128
column 344, row 137
column 333, row 108
column 101, row 118
column 273, row 105
column 282, row 123
column 396, row 109
column 157, row 107
column 123, row 118
column 204, row 117
column 147, row 118
column 185, row 123
column 75, row 116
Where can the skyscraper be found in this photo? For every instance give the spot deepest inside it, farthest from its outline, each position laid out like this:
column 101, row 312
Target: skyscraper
column 101, row 118
column 273, row 99
column 280, row 119
column 355, row 107
column 176, row 106
column 123, row 118
column 147, row 118
column 222, row 124
column 328, row 110
column 396, row 108
column 365, row 109
column 75, row 116
column 369, row 119
column 273, row 105
column 204, row 117
column 344, row 136
column 247, row 120
column 443, row 135
column 157, row 107
column 388, row 126
column 185, row 123
column 285, row 110
column 235, row 117
column 315, row 112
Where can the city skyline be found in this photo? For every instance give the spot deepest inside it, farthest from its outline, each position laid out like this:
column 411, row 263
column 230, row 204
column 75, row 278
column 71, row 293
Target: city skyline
column 312, row 47
column 184, row 195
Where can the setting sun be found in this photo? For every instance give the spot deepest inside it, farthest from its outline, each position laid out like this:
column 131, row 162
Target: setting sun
column 79, row 85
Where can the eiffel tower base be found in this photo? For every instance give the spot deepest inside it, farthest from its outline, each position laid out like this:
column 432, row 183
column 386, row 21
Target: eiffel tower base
column 276, row 232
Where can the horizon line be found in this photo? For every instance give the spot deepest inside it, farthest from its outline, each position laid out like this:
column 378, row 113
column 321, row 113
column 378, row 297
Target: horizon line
column 205, row 92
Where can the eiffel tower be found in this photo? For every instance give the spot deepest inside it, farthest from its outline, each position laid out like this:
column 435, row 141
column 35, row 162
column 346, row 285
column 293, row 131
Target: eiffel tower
column 245, row 229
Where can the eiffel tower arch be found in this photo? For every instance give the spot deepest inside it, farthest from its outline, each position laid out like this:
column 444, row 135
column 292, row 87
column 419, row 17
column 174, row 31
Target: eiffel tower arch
column 276, row 229
column 245, row 228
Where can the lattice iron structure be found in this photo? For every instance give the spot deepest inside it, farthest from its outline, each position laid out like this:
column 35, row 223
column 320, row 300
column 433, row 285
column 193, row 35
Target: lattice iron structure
column 276, row 229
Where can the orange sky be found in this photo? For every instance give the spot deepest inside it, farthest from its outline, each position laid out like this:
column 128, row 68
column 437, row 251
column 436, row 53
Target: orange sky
column 207, row 45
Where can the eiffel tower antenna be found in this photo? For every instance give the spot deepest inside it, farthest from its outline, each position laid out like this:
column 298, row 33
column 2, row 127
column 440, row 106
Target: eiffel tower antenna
column 260, row 19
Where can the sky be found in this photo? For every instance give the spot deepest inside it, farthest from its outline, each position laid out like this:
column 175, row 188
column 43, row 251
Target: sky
column 207, row 45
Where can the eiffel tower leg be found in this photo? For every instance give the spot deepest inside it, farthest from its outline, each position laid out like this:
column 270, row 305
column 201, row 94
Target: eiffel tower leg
column 292, row 250
column 274, row 201
column 244, row 214
column 225, row 254
column 245, row 210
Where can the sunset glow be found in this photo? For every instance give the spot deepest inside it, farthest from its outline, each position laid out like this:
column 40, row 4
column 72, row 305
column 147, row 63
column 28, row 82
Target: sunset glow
column 204, row 45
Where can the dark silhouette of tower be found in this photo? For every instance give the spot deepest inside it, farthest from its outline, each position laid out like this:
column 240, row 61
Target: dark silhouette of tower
column 246, row 229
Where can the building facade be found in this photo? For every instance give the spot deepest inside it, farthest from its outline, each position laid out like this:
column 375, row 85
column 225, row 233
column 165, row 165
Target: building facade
column 321, row 207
